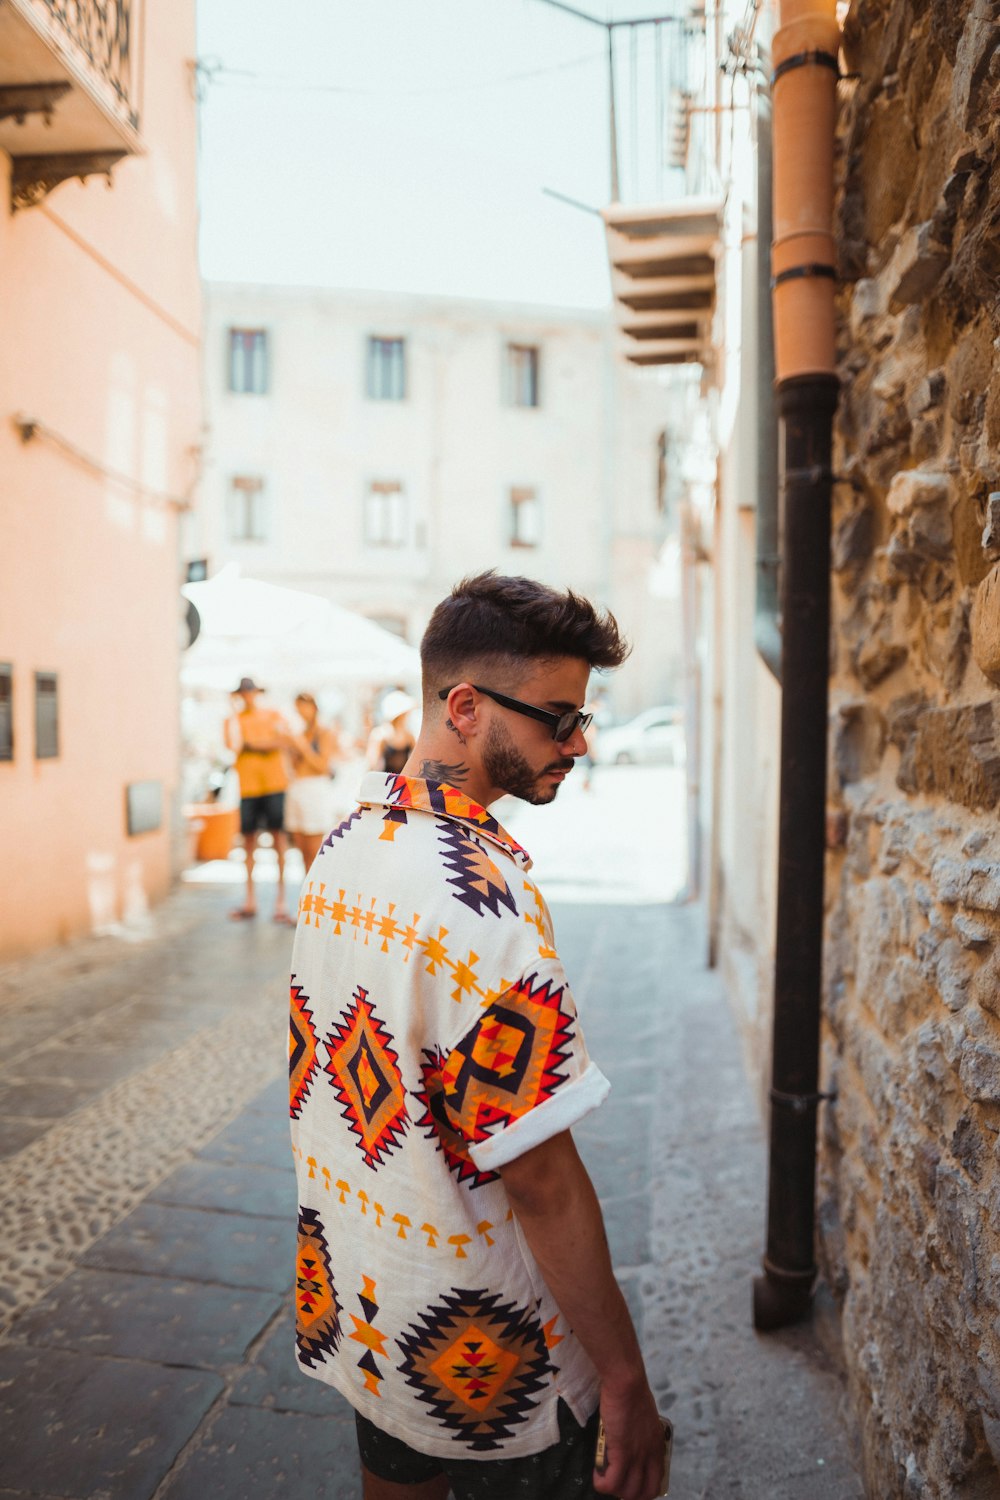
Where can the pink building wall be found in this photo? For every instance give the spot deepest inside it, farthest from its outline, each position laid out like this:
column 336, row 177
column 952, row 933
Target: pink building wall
column 99, row 343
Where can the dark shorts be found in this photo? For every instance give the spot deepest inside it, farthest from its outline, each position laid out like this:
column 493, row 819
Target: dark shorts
column 262, row 814
column 562, row 1472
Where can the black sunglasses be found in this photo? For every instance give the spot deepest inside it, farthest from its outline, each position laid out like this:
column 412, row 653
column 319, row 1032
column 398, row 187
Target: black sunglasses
column 562, row 725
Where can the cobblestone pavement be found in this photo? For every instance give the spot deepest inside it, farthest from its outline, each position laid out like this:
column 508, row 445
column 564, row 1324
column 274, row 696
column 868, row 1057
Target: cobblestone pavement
column 147, row 1201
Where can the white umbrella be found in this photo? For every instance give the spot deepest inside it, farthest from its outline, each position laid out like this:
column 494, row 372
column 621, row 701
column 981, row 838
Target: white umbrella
column 286, row 639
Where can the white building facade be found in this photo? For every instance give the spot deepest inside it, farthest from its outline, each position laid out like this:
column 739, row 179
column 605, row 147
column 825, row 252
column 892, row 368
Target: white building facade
column 373, row 448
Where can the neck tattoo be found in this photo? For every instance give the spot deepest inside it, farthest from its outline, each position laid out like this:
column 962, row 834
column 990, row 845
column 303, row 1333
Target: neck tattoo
column 439, row 770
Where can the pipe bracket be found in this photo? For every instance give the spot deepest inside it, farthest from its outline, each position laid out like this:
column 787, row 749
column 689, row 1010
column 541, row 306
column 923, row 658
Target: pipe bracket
column 810, row 268
column 815, row 58
column 800, row 1104
column 814, row 474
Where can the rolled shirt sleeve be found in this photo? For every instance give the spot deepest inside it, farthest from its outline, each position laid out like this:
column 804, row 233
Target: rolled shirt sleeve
column 521, row 1073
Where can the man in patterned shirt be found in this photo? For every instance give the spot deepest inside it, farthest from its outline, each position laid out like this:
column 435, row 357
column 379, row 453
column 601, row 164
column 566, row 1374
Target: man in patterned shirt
column 453, row 1279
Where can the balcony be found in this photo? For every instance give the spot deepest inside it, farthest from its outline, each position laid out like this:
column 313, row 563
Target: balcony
column 663, row 268
column 69, row 74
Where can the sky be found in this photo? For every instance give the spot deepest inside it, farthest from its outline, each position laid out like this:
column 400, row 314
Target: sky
column 406, row 145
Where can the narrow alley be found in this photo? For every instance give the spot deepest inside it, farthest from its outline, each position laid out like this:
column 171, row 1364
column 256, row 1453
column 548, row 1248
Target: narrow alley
column 147, row 1217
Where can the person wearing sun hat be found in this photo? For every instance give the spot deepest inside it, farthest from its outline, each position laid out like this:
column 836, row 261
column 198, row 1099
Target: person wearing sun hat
column 392, row 740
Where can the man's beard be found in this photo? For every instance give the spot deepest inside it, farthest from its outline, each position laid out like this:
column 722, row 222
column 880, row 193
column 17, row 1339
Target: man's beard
column 506, row 767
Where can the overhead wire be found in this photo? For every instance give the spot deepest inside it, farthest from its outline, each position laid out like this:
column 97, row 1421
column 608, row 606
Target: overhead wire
column 214, row 70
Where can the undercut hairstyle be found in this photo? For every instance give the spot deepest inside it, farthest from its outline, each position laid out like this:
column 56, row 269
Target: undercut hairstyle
column 504, row 625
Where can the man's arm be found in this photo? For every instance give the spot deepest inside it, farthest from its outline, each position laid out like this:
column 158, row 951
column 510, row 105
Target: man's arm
column 556, row 1206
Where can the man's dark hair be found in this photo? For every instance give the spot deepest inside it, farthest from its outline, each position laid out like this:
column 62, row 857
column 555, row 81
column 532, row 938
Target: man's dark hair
column 504, row 623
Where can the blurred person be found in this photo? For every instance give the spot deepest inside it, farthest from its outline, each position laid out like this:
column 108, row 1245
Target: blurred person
column 391, row 742
column 455, row 1283
column 314, row 750
column 258, row 737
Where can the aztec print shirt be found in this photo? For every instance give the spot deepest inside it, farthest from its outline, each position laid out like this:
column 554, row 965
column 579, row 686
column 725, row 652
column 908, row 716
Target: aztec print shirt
column 433, row 1039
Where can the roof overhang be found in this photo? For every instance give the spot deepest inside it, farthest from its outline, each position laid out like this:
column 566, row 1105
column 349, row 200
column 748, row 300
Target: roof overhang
column 663, row 276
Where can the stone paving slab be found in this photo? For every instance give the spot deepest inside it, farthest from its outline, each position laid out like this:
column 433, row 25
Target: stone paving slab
column 16, row 1133
column 270, row 1455
column 161, row 1319
column 228, row 1249
column 252, row 1139
column 230, row 1187
column 272, row 1102
column 273, row 1380
column 29, row 1495
column 86, row 1427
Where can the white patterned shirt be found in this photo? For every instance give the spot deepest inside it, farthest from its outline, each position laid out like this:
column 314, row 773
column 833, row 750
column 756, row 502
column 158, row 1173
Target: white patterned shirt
column 433, row 1039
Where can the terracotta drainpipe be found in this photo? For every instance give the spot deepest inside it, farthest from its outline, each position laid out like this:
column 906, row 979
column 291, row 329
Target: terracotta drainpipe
column 804, row 103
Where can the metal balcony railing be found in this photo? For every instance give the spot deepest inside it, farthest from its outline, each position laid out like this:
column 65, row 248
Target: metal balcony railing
column 103, row 30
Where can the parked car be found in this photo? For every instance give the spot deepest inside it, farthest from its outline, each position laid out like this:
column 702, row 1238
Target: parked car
column 654, row 737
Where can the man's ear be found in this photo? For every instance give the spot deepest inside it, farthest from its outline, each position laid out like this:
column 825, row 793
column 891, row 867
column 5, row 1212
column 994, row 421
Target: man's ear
column 461, row 707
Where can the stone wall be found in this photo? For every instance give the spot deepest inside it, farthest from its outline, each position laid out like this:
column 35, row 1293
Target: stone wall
column 910, row 1153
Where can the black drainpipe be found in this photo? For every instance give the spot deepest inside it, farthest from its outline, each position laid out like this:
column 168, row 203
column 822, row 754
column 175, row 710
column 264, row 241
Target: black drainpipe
column 806, row 405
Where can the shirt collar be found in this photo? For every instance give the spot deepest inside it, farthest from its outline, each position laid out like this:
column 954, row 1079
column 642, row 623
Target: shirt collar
column 413, row 793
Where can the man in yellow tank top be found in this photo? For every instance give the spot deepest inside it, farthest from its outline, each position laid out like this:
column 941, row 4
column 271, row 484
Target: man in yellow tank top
column 258, row 737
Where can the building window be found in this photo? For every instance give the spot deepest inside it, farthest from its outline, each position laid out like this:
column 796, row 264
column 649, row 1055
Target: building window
column 521, row 375
column 386, row 369
column 525, row 517
column 46, row 716
column 6, row 711
column 385, row 514
column 248, row 361
column 247, row 506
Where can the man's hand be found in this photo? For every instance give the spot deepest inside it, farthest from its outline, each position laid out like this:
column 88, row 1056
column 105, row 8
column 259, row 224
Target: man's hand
column 634, row 1436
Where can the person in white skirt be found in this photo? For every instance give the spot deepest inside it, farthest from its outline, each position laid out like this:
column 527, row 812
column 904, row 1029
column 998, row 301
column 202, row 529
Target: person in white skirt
column 309, row 810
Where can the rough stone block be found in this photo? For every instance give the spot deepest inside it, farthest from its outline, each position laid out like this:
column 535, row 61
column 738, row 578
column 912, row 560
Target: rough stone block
column 976, row 52
column 975, row 843
column 903, row 718
column 960, row 1226
column 929, row 530
column 870, row 300
column 982, row 886
column 967, row 538
column 969, row 1147
column 947, row 636
column 991, row 531
column 913, row 488
column 854, row 540
column 979, row 1071
column 949, row 877
column 858, row 741
column 954, row 970
column 916, row 267
column 985, row 625
column 903, row 562
column 972, row 932
column 927, row 393
column 957, row 754
column 876, row 658
column 986, row 985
